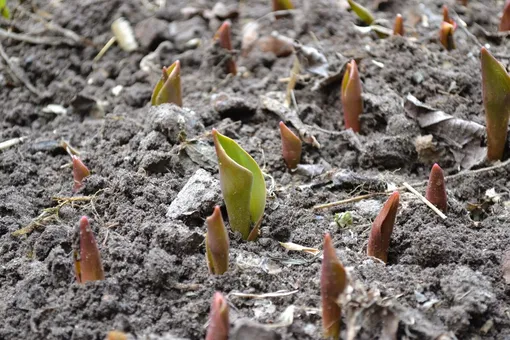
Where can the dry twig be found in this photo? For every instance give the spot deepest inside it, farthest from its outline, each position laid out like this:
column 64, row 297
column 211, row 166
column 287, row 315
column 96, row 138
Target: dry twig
column 18, row 72
column 419, row 184
column 424, row 200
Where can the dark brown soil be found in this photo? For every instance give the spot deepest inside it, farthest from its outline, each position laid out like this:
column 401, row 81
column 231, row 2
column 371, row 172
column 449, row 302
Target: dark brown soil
column 444, row 277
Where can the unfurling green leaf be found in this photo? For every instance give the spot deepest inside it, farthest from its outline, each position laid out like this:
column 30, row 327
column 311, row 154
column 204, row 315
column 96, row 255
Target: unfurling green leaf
column 4, row 10
column 496, row 100
column 362, row 12
column 168, row 88
column 242, row 185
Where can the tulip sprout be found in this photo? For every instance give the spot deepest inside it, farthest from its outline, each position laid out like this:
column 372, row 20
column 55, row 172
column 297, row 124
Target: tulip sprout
column 87, row 260
column 351, row 97
column 436, row 192
column 504, row 24
column 242, row 185
column 168, row 88
column 398, row 27
column 80, row 172
column 216, row 243
column 282, row 5
column 446, row 35
column 363, row 13
column 218, row 319
column 333, row 282
column 224, row 37
column 382, row 228
column 496, row 101
column 291, row 147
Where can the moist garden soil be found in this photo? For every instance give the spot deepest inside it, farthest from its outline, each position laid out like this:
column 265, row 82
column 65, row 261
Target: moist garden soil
column 444, row 278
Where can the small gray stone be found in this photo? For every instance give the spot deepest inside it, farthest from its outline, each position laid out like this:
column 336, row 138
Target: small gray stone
column 183, row 31
column 175, row 122
column 199, row 195
column 151, row 31
column 177, row 238
column 245, row 329
column 236, row 108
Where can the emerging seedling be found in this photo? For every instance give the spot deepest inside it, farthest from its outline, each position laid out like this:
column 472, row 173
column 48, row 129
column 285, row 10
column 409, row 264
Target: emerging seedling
column 223, row 36
column 496, row 100
column 504, row 24
column 168, row 88
column 398, row 27
column 242, row 185
column 291, row 147
column 351, row 97
column 446, row 35
column 333, row 283
column 362, row 13
column 80, row 172
column 4, row 10
column 282, row 5
column 380, row 235
column 218, row 319
column 436, row 192
column 87, row 260
column 216, row 243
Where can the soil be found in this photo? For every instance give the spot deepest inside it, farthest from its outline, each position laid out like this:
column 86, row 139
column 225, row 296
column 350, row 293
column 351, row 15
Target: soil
column 444, row 278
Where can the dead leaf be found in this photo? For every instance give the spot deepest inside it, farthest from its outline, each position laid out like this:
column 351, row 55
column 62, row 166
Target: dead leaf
column 297, row 247
column 276, row 45
column 464, row 137
column 312, row 60
column 250, row 36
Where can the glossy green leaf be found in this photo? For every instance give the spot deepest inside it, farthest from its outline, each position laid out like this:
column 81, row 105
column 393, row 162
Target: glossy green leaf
column 242, row 185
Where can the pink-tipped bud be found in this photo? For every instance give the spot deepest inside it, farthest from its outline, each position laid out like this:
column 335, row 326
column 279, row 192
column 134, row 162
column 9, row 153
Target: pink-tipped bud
column 382, row 228
column 80, row 172
column 436, row 191
column 333, row 283
column 446, row 15
column 291, row 147
column 218, row 320
column 224, row 36
column 398, row 27
column 446, row 35
column 87, row 260
column 504, row 24
column 216, row 243
column 351, row 97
